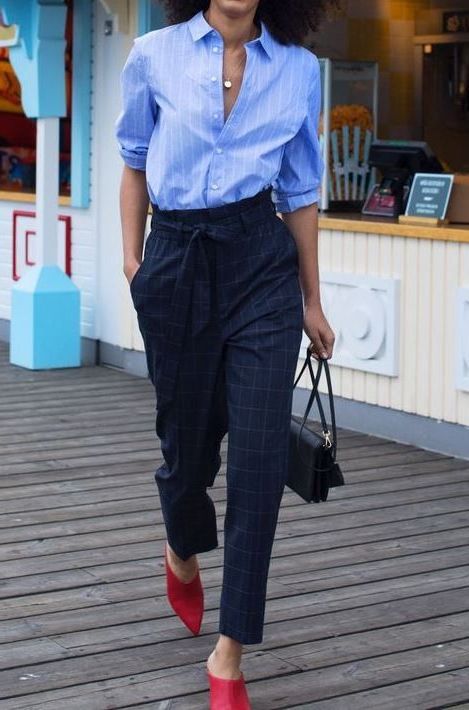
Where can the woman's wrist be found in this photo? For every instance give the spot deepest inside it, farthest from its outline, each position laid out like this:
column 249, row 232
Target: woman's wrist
column 313, row 303
column 130, row 267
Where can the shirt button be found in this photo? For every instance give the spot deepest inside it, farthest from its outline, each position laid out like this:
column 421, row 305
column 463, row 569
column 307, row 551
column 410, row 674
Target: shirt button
column 215, row 115
column 214, row 186
column 215, row 49
column 213, row 78
column 219, row 150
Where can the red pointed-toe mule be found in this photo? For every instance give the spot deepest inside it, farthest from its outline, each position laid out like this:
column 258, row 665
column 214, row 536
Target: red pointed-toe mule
column 227, row 694
column 185, row 598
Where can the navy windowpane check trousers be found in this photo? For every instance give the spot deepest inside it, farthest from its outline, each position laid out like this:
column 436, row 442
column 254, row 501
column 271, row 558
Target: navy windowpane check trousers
column 220, row 310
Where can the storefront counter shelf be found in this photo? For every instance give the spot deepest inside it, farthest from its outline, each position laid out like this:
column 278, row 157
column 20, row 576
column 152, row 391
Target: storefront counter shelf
column 356, row 222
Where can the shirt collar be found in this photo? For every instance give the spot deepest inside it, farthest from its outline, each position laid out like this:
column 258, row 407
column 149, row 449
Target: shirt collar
column 199, row 27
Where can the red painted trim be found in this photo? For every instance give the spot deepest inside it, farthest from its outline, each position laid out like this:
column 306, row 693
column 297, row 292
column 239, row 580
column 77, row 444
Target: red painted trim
column 26, row 247
column 68, row 241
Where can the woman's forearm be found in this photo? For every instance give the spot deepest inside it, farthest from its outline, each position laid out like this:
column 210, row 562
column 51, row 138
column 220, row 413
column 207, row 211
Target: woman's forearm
column 134, row 202
column 303, row 223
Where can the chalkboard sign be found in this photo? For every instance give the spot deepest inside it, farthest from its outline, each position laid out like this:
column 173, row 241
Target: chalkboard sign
column 429, row 195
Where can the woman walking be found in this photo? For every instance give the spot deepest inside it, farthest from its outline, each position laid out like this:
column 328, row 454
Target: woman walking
column 219, row 131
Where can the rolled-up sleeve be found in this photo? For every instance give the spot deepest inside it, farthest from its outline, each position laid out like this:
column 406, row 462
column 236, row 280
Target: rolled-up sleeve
column 135, row 123
column 299, row 178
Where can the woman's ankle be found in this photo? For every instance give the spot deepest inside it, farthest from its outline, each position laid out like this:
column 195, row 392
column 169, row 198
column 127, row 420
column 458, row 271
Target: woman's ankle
column 183, row 568
column 228, row 646
column 174, row 556
column 225, row 659
column 223, row 666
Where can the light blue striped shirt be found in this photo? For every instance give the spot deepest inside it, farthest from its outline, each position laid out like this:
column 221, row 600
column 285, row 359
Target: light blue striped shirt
column 172, row 121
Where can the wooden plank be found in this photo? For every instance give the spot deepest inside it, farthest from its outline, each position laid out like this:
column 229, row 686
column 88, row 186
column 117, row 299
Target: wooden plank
column 24, row 397
column 356, row 595
column 445, row 686
column 153, row 616
column 336, row 502
column 317, row 677
column 56, row 424
column 292, row 507
column 361, row 460
column 23, row 528
column 50, row 441
column 66, row 443
column 362, row 476
column 443, row 690
column 319, row 683
column 17, row 492
column 290, row 545
column 137, row 633
column 314, row 556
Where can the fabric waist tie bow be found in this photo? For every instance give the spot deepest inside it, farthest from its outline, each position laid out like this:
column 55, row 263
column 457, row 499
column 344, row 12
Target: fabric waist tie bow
column 190, row 295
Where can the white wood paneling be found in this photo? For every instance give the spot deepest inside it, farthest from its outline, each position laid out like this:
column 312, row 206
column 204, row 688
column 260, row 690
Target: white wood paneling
column 430, row 273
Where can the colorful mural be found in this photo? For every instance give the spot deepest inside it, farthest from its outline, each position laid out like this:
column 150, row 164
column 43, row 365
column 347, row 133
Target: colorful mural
column 17, row 131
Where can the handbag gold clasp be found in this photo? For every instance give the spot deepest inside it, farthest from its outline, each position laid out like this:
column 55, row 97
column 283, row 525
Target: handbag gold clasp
column 327, row 437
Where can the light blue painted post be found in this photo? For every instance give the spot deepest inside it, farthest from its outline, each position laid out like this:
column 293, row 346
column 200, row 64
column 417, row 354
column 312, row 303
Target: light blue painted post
column 81, row 105
column 45, row 304
column 43, row 326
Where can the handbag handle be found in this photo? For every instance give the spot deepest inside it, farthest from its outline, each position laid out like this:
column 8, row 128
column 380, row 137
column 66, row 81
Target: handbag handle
column 331, row 403
column 315, row 394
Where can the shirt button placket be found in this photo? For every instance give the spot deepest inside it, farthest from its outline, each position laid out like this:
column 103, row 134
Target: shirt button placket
column 215, row 73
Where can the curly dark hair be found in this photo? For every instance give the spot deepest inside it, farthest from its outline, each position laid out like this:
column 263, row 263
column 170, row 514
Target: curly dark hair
column 288, row 22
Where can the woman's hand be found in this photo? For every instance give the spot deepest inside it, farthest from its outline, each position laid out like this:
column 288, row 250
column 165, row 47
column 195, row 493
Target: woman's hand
column 130, row 269
column 318, row 331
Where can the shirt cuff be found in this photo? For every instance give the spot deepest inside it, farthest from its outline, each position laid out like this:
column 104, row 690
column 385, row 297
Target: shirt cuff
column 289, row 203
column 134, row 160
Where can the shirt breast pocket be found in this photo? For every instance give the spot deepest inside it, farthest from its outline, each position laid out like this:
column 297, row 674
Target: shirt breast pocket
column 197, row 75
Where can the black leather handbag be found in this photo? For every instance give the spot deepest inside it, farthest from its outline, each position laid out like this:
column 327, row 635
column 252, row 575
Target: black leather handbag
column 312, row 466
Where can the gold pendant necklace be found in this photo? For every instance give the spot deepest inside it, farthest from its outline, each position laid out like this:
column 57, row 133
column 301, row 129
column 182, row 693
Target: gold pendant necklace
column 227, row 83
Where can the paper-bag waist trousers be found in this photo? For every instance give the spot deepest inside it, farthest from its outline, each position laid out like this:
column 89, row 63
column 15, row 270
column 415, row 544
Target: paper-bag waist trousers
column 220, row 310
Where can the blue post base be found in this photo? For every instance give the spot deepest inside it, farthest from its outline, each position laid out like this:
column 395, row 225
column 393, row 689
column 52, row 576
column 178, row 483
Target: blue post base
column 45, row 320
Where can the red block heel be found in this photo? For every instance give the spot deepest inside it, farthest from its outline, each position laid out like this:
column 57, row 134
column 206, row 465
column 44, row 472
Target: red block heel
column 185, row 598
column 227, row 694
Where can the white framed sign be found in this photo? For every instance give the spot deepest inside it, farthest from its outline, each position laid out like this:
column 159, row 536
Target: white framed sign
column 429, row 195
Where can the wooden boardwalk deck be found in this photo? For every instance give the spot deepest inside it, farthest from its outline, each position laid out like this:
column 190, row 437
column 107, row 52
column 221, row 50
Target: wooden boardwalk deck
column 368, row 598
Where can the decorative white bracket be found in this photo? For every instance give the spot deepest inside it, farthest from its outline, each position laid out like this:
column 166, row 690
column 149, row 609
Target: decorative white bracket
column 363, row 312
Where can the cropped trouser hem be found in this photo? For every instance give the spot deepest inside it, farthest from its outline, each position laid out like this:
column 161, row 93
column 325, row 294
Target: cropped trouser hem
column 237, row 634
column 186, row 551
